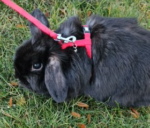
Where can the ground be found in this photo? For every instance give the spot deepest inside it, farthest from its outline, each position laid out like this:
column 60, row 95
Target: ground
column 22, row 109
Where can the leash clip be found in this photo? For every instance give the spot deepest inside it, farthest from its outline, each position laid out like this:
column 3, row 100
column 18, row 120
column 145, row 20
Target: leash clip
column 66, row 40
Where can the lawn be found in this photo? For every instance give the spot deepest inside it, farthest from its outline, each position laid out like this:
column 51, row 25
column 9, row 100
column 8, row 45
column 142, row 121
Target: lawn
column 29, row 110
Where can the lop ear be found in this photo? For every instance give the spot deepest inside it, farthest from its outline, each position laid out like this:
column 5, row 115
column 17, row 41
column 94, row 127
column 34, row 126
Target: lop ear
column 36, row 32
column 55, row 80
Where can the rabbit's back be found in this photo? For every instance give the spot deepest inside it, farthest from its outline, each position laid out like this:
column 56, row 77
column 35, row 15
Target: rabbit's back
column 121, row 59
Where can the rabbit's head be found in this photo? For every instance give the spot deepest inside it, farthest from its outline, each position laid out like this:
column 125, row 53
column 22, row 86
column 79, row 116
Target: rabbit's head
column 37, row 63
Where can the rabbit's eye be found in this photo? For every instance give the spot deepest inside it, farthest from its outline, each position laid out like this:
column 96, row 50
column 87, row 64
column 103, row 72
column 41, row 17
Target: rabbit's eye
column 37, row 66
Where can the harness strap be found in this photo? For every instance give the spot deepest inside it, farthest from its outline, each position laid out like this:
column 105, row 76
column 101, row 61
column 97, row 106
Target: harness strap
column 86, row 42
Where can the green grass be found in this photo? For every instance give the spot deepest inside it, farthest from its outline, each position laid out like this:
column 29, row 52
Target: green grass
column 40, row 112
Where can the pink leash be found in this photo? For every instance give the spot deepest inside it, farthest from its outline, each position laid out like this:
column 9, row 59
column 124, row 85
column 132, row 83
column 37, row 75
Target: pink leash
column 86, row 42
column 29, row 17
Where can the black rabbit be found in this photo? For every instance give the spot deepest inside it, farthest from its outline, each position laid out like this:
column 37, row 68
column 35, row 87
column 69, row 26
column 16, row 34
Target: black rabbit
column 118, row 72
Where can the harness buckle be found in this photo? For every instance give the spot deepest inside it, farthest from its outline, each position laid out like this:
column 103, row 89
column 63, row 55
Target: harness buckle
column 86, row 29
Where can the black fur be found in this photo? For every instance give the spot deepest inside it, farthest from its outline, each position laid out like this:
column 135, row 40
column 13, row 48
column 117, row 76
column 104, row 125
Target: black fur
column 119, row 69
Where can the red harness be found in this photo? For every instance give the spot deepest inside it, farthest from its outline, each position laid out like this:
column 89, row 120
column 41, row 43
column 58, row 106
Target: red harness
column 86, row 42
